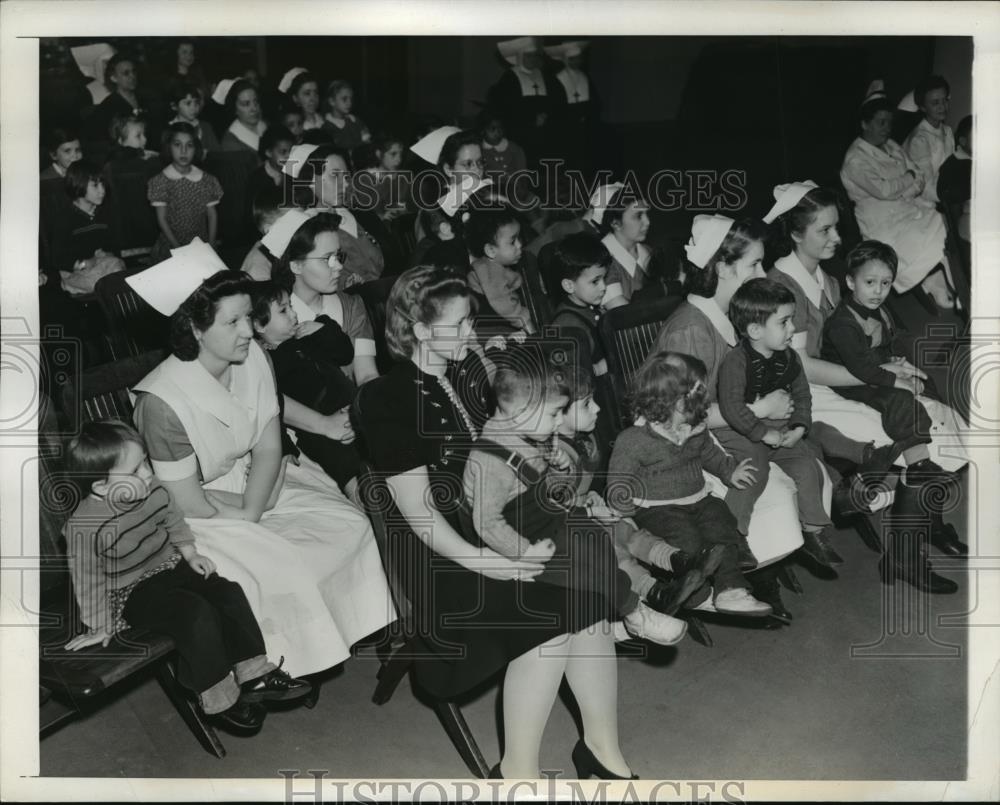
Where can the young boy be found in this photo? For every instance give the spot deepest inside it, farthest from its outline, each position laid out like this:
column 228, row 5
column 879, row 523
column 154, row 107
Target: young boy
column 860, row 336
column 493, row 237
column 266, row 209
column 576, row 440
column 186, row 102
column 506, row 486
column 126, row 541
column 576, row 277
column 761, row 312
column 293, row 120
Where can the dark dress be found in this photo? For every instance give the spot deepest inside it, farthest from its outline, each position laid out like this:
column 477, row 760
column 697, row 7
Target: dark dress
column 469, row 626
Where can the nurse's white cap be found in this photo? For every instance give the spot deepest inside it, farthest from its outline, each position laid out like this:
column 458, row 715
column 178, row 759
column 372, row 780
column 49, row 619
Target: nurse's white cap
column 289, row 77
column 875, row 90
column 297, row 157
column 908, row 103
column 600, row 200
column 280, row 234
column 168, row 284
column 786, row 196
column 89, row 57
column 429, row 147
column 222, row 90
column 707, row 234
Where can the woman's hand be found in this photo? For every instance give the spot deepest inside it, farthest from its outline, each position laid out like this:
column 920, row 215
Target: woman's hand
column 540, row 551
column 771, row 437
column 338, row 426
column 202, row 565
column 776, row 405
column 91, row 638
column 500, row 568
column 743, row 475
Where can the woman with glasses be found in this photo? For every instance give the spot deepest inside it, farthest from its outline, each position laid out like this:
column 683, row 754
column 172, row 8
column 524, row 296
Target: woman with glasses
column 310, row 268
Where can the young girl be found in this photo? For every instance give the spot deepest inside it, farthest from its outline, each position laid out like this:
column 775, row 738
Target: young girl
column 656, row 467
column 307, row 362
column 622, row 219
column 63, row 148
column 346, row 130
column 386, row 188
column 129, row 136
column 183, row 195
column 186, row 102
column 501, row 157
column 310, row 270
column 304, row 93
column 293, row 120
column 932, row 141
column 89, row 231
column 243, row 110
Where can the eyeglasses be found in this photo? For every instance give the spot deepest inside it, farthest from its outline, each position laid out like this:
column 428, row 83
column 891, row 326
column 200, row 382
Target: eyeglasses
column 339, row 256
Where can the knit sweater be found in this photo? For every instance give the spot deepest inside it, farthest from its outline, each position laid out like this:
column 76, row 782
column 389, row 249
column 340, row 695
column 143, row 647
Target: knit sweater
column 110, row 545
column 648, row 466
column 501, row 286
column 490, row 484
column 861, row 341
column 745, row 375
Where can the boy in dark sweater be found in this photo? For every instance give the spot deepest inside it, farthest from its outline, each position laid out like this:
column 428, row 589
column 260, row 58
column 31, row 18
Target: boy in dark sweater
column 126, row 541
column 860, row 336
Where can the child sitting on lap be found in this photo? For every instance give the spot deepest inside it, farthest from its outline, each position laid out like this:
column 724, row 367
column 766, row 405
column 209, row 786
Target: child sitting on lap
column 656, row 473
column 506, row 484
column 126, row 540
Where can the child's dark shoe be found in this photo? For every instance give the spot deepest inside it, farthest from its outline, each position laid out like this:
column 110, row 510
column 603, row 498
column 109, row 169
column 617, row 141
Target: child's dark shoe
column 745, row 557
column 815, row 546
column 243, row 718
column 705, row 561
column 275, row 686
column 667, row 596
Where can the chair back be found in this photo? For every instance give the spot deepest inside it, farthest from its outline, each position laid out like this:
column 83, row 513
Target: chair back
column 134, row 327
column 233, row 170
column 103, row 391
column 533, row 287
column 132, row 216
column 628, row 333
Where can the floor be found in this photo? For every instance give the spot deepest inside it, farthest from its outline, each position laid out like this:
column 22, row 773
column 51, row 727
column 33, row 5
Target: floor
column 863, row 685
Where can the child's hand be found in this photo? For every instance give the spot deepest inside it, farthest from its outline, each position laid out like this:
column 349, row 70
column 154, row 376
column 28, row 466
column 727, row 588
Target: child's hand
column 908, row 384
column 792, row 437
column 519, row 337
column 202, row 565
column 540, row 551
column 558, row 458
column 914, row 371
column 603, row 514
column 776, row 405
column 594, row 499
column 497, row 342
column 743, row 475
column 307, row 328
column 91, row 638
column 338, row 427
column 771, row 437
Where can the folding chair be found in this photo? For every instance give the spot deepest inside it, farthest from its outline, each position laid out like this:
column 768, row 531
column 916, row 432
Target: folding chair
column 75, row 679
column 133, row 326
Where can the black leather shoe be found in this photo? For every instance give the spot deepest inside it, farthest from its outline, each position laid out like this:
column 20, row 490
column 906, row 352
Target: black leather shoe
column 770, row 593
column 706, row 561
column 877, row 460
column 928, row 472
column 667, row 596
column 745, row 557
column 945, row 538
column 815, row 546
column 922, row 577
column 495, row 773
column 588, row 766
column 275, row 686
column 244, row 718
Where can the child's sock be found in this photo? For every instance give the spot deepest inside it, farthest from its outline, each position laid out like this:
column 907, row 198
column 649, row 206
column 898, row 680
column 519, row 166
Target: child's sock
column 651, row 549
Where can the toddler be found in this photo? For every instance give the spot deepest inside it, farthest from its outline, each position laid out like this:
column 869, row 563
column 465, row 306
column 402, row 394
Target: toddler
column 656, row 473
column 506, row 486
column 493, row 238
column 501, row 157
column 860, row 336
column 134, row 563
column 307, row 358
column 265, row 209
column 183, row 196
column 129, row 136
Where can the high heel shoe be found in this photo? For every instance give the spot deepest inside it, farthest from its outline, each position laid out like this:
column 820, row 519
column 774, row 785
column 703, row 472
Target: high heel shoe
column 495, row 773
column 588, row 766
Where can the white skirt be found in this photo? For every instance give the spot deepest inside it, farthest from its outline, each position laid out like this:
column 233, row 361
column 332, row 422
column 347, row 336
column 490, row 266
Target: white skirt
column 864, row 424
column 310, row 568
column 915, row 231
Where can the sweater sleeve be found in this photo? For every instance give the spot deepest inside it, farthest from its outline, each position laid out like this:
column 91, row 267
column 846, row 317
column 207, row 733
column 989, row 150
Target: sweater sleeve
column 716, row 460
column 177, row 527
column 489, row 486
column 87, row 570
column 854, row 352
column 500, row 289
column 801, row 396
column 623, row 482
column 732, row 397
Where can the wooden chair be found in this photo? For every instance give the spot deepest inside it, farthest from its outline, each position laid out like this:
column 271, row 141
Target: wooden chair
column 134, row 220
column 533, row 287
column 390, row 528
column 134, row 327
column 233, row 169
column 73, row 683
